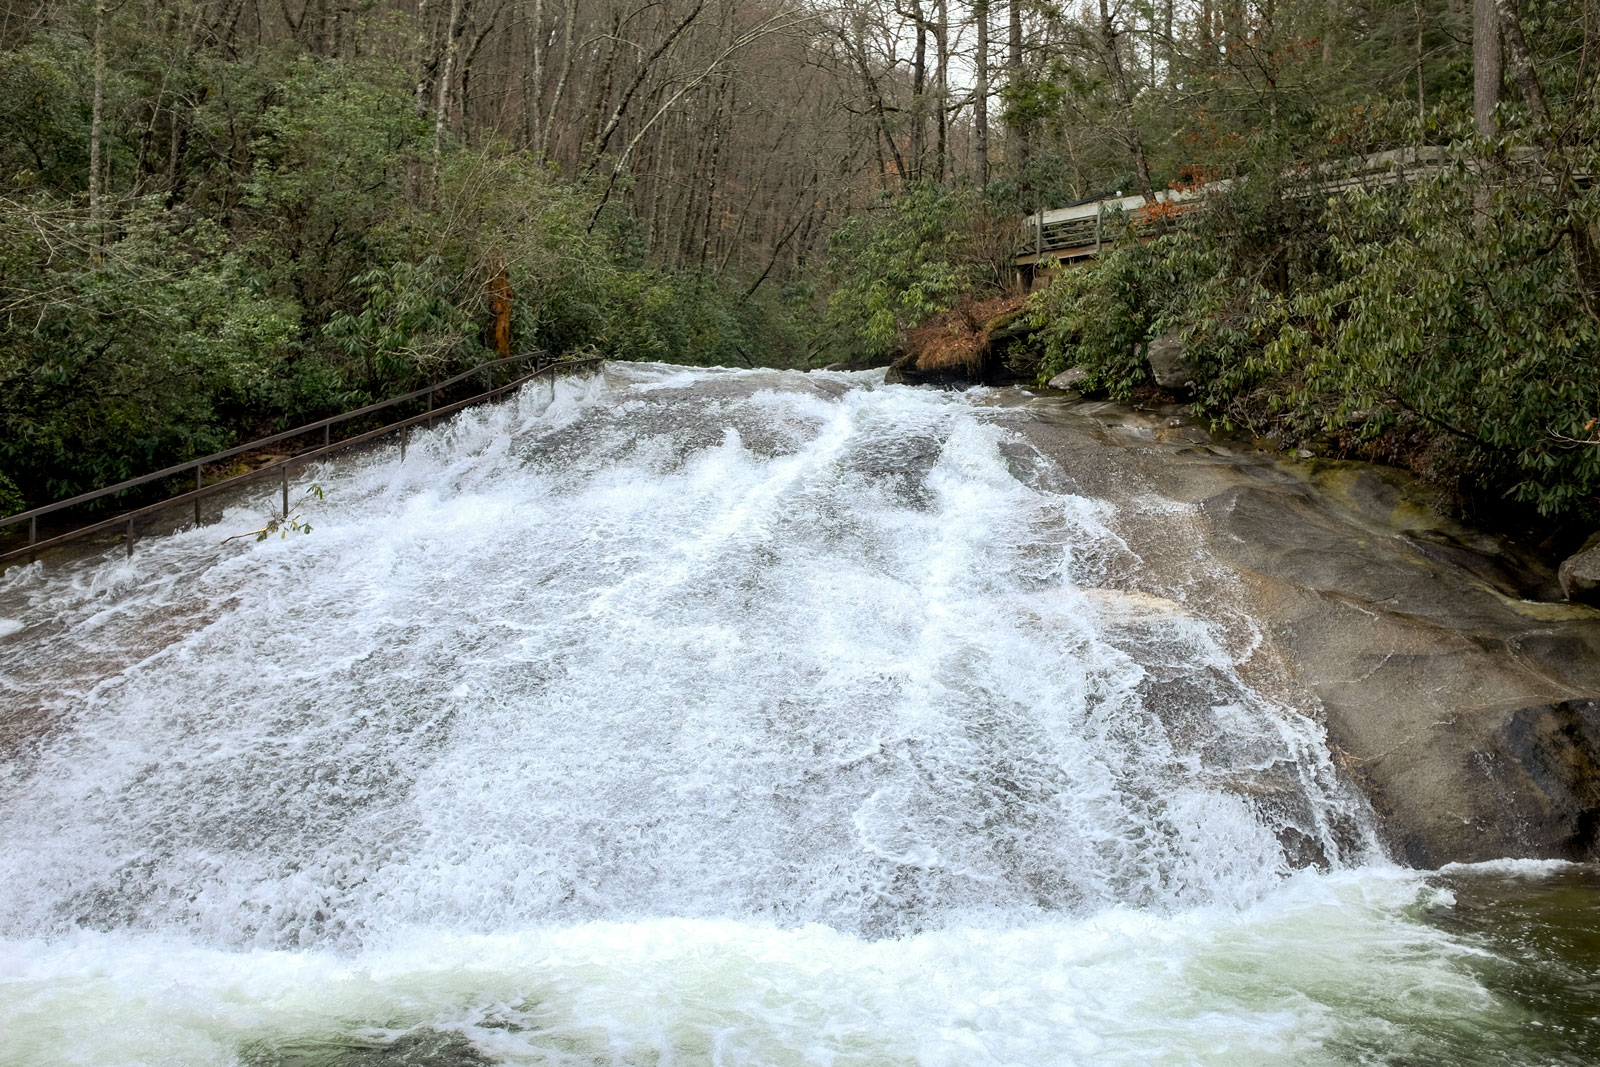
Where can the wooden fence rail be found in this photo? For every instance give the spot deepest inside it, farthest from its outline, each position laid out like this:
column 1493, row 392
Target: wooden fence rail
column 279, row 469
column 1081, row 230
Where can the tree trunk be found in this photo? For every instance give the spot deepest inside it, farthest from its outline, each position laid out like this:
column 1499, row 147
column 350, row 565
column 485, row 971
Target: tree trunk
column 1017, row 135
column 567, row 47
column 97, row 113
column 500, row 304
column 427, row 57
column 442, row 95
column 1169, row 48
column 942, row 43
column 1488, row 66
column 1521, row 61
column 980, row 97
column 1119, row 83
column 919, row 93
column 532, row 75
column 602, row 90
column 469, row 65
column 1422, row 102
column 724, row 103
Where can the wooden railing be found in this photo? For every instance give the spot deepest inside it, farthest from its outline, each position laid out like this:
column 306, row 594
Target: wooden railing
column 279, row 469
column 1083, row 229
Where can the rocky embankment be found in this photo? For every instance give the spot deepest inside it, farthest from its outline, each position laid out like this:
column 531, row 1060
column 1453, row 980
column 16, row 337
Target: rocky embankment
column 1459, row 688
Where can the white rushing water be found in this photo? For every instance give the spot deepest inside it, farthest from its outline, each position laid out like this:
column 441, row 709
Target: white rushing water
column 681, row 717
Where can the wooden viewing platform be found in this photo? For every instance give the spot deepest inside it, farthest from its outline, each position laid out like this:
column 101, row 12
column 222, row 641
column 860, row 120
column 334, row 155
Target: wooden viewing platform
column 1081, row 230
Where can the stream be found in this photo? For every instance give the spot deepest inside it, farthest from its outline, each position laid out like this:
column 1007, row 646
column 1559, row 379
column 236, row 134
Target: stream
column 687, row 716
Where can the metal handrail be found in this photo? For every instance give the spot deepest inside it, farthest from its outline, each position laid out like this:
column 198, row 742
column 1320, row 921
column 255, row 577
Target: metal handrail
column 217, row 457
column 281, row 467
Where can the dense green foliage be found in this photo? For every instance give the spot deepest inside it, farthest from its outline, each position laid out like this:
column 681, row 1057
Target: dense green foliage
column 1445, row 311
column 894, row 267
column 314, row 257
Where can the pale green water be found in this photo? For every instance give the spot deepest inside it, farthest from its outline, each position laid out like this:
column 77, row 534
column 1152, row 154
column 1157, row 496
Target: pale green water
column 1487, row 965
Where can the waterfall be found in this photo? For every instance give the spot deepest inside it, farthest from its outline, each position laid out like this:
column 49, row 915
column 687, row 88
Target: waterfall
column 675, row 716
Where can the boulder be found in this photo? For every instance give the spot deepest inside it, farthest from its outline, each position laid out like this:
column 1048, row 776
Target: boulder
column 1008, row 327
column 903, row 371
column 909, row 369
column 1580, row 573
column 1169, row 366
column 1070, row 378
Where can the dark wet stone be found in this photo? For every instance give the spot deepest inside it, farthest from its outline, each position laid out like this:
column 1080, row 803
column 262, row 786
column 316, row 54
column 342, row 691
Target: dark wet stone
column 423, row 1047
column 1169, row 365
column 1557, row 746
column 1580, row 573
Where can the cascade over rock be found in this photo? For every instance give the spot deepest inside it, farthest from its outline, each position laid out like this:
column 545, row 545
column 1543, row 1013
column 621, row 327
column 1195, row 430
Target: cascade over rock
column 1456, row 688
column 686, row 714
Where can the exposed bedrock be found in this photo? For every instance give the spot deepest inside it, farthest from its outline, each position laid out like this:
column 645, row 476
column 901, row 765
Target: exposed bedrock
column 1458, row 688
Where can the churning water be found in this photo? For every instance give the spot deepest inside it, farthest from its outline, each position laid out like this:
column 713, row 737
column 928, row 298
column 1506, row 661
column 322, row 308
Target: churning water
column 687, row 717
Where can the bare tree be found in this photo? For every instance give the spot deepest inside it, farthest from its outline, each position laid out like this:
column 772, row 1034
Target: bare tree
column 1110, row 42
column 980, row 95
column 97, row 114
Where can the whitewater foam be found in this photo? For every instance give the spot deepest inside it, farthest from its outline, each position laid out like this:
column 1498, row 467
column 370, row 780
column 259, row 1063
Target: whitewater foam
column 682, row 716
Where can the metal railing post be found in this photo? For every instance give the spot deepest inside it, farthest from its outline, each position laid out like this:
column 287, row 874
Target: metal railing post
column 129, row 538
column 1099, row 216
column 327, row 429
column 198, row 485
column 286, row 490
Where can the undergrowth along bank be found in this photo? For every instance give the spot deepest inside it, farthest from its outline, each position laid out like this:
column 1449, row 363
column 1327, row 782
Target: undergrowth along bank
column 1437, row 324
column 319, row 257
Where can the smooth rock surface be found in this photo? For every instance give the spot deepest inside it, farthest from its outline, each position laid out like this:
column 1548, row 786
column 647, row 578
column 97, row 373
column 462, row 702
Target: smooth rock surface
column 1070, row 378
column 1455, row 687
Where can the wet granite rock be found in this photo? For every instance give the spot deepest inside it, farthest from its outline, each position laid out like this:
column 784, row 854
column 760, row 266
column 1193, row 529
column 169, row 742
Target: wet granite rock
column 1457, row 690
column 1580, row 573
column 1170, row 367
column 1070, row 378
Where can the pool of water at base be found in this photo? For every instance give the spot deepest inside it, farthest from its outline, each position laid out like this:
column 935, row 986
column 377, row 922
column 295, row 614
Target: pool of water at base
column 1485, row 964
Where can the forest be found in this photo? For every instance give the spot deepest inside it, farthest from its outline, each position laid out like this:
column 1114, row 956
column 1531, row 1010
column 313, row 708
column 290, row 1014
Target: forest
column 226, row 217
